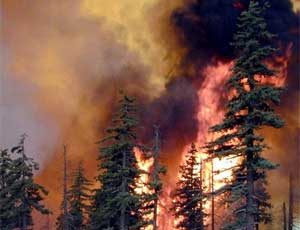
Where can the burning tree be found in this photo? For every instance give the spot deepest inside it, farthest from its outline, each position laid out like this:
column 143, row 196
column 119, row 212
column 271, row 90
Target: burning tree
column 116, row 204
column 248, row 110
column 152, row 183
column 189, row 197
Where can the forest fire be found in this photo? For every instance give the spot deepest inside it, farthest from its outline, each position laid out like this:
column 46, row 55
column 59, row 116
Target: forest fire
column 64, row 76
column 210, row 94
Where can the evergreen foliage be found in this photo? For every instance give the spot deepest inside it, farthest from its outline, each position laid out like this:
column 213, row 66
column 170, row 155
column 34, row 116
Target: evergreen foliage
column 249, row 109
column 189, row 196
column 20, row 194
column 116, row 205
column 79, row 197
column 6, row 200
column 155, row 185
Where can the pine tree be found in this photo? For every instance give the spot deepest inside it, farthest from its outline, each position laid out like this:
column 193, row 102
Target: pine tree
column 249, row 109
column 189, row 197
column 27, row 195
column 155, row 185
column 79, row 196
column 6, row 202
column 116, row 205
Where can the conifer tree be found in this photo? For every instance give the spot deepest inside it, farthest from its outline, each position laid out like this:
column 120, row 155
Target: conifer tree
column 26, row 194
column 6, row 202
column 155, row 185
column 79, row 196
column 249, row 109
column 116, row 205
column 189, row 196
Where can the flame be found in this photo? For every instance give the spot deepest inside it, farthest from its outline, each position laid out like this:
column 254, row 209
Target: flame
column 145, row 165
column 210, row 96
column 63, row 53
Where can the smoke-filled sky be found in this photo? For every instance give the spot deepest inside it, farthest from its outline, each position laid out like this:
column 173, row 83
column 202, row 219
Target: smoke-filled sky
column 63, row 62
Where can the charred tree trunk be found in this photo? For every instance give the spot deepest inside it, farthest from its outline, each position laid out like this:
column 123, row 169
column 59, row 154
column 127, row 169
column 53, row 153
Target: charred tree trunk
column 155, row 174
column 123, row 189
column 291, row 202
column 284, row 216
column 65, row 185
column 250, row 189
column 201, row 194
column 24, row 222
column 250, row 178
column 212, row 197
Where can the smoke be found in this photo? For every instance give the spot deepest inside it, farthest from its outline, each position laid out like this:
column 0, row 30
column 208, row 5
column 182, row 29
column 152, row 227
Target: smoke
column 206, row 29
column 63, row 62
column 62, row 68
column 62, row 65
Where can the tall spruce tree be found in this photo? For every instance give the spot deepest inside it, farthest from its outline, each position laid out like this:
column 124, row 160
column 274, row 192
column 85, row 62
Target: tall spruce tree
column 79, row 197
column 249, row 109
column 116, row 205
column 6, row 201
column 189, row 196
column 26, row 194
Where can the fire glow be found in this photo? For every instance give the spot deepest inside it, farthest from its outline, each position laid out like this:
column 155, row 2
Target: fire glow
column 77, row 50
column 209, row 113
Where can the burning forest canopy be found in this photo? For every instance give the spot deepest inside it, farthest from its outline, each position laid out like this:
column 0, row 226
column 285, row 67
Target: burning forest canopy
column 64, row 62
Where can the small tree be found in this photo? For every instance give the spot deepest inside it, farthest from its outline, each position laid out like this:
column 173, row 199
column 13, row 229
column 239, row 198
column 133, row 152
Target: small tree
column 26, row 194
column 79, row 196
column 116, row 205
column 189, row 197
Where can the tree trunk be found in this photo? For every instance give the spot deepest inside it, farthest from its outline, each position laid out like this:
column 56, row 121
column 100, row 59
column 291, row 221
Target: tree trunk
column 250, row 180
column 24, row 224
column 212, row 197
column 291, row 202
column 284, row 216
column 201, row 194
column 155, row 226
column 65, row 204
column 155, row 175
column 250, row 189
column 123, row 189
